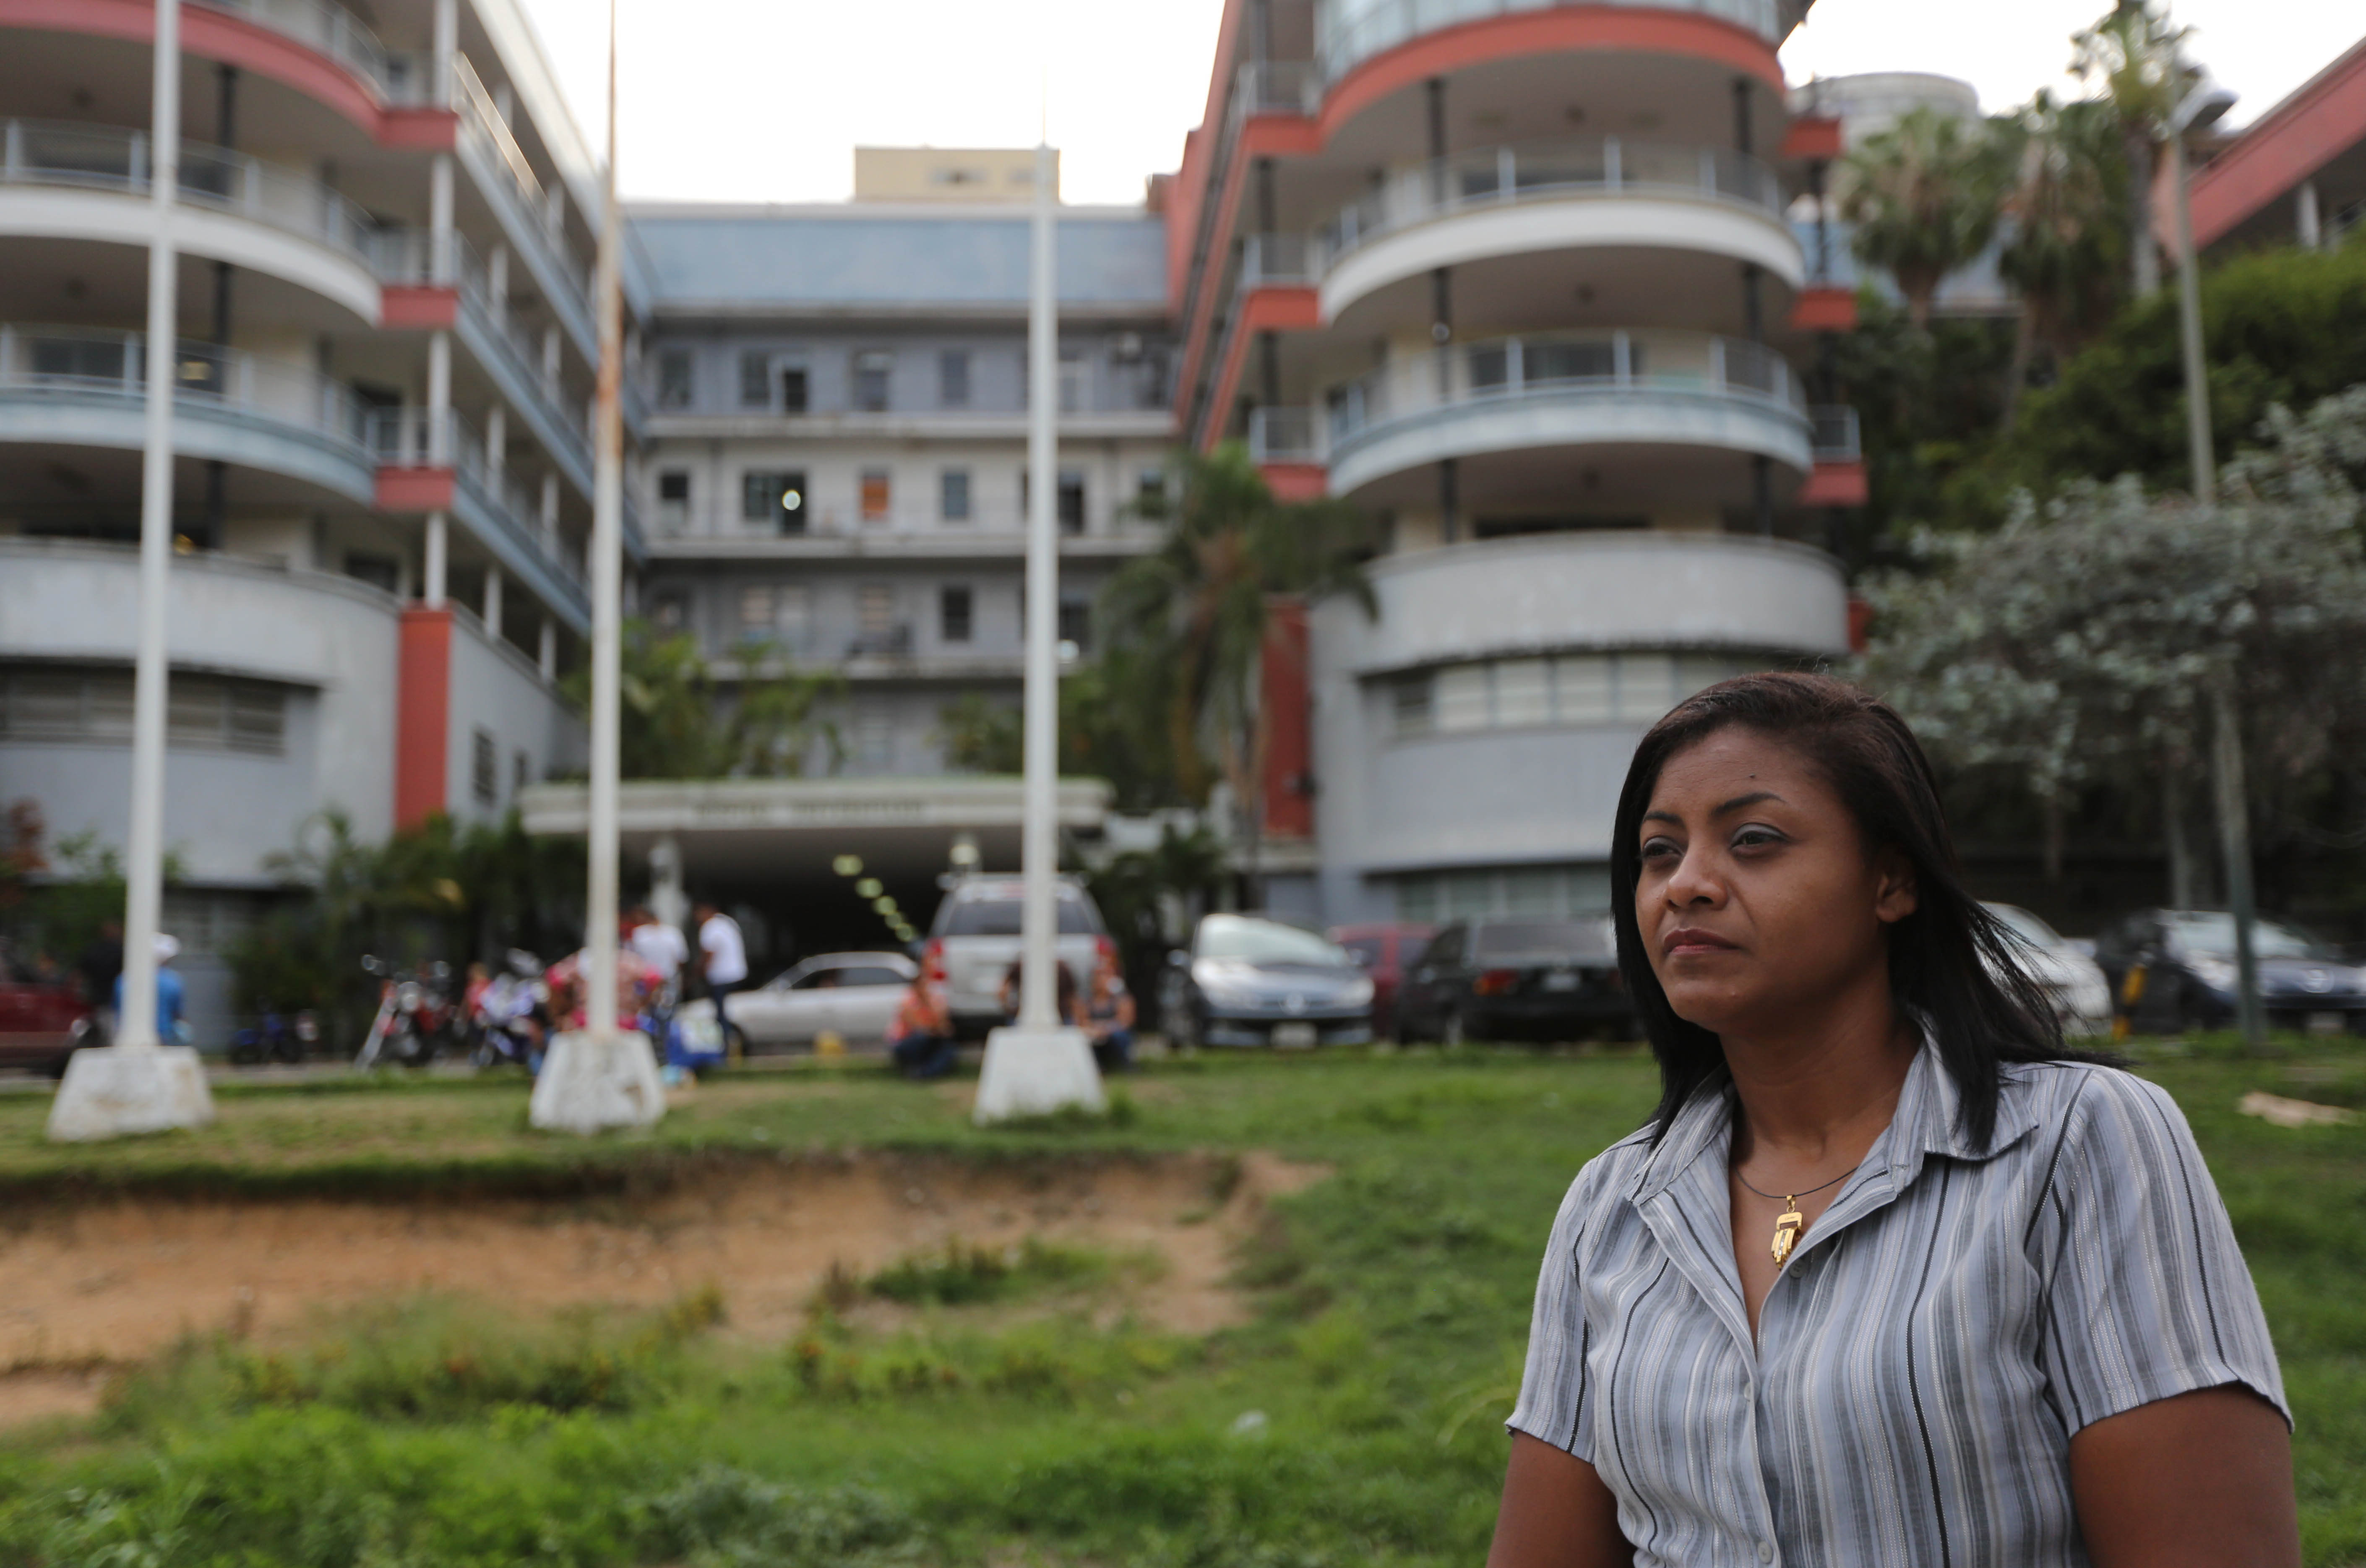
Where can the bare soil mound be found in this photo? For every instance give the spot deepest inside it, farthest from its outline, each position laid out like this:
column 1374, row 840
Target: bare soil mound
column 117, row 1281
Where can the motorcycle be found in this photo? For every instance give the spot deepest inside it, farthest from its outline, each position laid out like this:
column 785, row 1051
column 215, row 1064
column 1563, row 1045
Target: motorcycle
column 509, row 1023
column 415, row 1014
column 275, row 1037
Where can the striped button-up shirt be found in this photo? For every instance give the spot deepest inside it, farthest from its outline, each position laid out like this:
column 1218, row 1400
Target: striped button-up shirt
column 1923, row 1359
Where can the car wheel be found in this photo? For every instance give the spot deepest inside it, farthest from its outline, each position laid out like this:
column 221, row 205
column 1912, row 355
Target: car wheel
column 1454, row 1032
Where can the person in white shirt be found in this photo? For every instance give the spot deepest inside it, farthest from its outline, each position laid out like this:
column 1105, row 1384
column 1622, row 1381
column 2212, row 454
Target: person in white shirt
column 661, row 947
column 723, row 959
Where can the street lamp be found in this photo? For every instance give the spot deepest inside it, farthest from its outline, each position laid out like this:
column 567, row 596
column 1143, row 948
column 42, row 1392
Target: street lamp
column 2204, row 106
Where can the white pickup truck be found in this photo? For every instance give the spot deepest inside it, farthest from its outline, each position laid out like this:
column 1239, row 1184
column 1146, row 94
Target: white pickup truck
column 974, row 942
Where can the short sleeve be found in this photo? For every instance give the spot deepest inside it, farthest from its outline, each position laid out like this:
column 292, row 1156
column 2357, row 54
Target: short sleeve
column 2149, row 1296
column 1556, row 1403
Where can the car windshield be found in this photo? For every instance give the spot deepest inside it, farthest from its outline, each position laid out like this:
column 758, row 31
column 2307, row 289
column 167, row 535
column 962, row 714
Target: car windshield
column 1542, row 939
column 2026, row 926
column 2213, row 932
column 999, row 917
column 1264, row 942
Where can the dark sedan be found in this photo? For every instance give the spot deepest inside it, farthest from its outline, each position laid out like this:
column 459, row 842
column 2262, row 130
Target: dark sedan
column 1515, row 979
column 2174, row 969
column 1252, row 982
column 1385, row 952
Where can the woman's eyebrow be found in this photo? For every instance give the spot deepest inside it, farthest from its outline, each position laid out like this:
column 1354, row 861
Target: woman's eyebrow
column 1668, row 816
column 1743, row 802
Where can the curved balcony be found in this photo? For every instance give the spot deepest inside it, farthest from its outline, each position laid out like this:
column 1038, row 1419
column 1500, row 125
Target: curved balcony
column 1651, row 401
column 336, row 32
column 65, row 387
column 1349, row 32
column 92, row 181
column 456, row 475
column 1493, row 209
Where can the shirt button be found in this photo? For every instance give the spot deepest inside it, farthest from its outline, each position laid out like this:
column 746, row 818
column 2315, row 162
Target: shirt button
column 1765, row 1551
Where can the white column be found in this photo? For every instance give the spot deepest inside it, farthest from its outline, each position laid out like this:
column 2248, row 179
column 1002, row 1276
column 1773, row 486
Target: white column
column 550, row 518
column 667, row 900
column 602, row 1079
column 447, row 44
column 437, row 562
column 443, row 265
column 551, row 361
column 1043, row 1063
column 135, row 1086
column 439, row 400
column 497, row 281
column 546, row 653
column 2306, row 217
column 493, row 602
column 497, row 441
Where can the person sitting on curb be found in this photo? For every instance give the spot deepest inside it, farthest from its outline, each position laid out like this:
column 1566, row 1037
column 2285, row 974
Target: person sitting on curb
column 1107, row 1019
column 920, row 1040
column 172, row 1028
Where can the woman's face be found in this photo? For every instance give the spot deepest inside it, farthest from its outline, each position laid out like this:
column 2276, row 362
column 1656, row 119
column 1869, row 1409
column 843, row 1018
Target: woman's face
column 1757, row 901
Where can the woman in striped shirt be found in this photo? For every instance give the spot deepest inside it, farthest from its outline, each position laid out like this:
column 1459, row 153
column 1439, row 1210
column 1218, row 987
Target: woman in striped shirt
column 1892, row 1278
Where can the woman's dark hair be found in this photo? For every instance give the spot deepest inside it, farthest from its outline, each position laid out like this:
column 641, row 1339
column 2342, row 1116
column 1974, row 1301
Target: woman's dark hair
column 1953, row 967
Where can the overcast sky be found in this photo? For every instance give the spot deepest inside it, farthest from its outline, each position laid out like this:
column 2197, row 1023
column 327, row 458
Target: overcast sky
column 764, row 100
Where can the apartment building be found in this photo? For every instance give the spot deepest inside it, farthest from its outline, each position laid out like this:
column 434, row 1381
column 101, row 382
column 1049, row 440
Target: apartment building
column 382, row 462
column 1521, row 280
column 2295, row 175
column 837, row 468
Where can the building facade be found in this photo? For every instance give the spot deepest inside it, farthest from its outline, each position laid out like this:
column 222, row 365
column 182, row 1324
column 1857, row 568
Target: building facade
column 1522, row 282
column 383, row 466
column 2295, row 175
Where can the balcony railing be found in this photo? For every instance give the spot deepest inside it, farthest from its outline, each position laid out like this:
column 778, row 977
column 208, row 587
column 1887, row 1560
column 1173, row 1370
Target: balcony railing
column 1834, row 435
column 114, row 365
column 1271, row 259
column 480, row 120
column 1276, row 86
column 344, row 37
column 882, row 642
column 1344, row 42
column 1496, row 177
column 1612, row 363
column 1284, row 435
column 38, row 152
column 413, row 438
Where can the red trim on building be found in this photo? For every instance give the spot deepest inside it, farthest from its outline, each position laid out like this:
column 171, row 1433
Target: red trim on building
column 1835, row 484
column 1285, row 712
column 2323, row 119
column 409, row 307
column 422, row 716
column 1860, row 624
column 227, row 40
column 1293, row 308
column 1812, row 138
column 1265, row 136
column 1824, row 310
column 415, row 489
column 1296, row 482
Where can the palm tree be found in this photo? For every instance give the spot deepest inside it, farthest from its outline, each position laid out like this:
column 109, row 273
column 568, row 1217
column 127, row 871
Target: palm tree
column 1924, row 196
column 1188, row 619
column 2066, row 237
column 2133, row 52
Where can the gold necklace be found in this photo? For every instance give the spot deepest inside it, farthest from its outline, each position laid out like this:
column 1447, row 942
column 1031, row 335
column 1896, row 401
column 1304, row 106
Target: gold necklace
column 1790, row 1223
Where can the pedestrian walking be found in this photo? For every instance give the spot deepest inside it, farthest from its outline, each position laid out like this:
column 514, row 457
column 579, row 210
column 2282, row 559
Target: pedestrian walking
column 664, row 948
column 723, row 959
column 1891, row 1276
column 172, row 1028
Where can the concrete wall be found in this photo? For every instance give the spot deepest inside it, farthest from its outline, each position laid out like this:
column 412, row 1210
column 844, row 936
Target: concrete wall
column 496, row 689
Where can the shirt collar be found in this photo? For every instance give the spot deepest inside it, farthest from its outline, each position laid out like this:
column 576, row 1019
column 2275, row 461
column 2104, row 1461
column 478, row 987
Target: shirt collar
column 1927, row 1121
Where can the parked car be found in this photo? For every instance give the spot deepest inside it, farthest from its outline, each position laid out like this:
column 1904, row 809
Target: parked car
column 1252, row 982
column 1501, row 980
column 974, row 941
column 2070, row 979
column 851, row 995
column 2184, row 961
column 1385, row 952
column 43, row 1020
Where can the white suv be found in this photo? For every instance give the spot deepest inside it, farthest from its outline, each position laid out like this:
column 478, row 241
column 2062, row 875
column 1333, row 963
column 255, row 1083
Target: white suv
column 975, row 939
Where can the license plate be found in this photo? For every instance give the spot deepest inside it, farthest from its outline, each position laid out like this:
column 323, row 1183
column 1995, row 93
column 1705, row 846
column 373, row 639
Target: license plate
column 1561, row 980
column 1293, row 1036
column 2327, row 1023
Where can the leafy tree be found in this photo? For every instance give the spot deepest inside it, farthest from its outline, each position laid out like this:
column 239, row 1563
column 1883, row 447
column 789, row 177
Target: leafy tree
column 2067, row 239
column 2132, row 52
column 980, row 735
column 1924, row 196
column 1150, row 896
column 678, row 723
column 2080, row 643
column 1187, row 621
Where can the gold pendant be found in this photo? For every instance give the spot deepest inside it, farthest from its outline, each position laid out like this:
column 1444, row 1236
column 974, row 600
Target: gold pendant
column 1786, row 1230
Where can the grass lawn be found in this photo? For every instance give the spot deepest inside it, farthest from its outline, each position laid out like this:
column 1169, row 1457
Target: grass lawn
column 1355, row 1419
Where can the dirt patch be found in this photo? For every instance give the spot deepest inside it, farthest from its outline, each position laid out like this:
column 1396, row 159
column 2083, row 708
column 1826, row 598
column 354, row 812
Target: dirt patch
column 122, row 1280
column 28, row 1396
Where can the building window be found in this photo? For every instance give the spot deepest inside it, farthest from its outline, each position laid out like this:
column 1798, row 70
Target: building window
column 1571, row 690
column 874, row 738
column 794, row 397
column 1077, row 624
column 379, row 571
column 676, row 386
column 878, row 495
column 1075, row 380
column 756, row 613
column 1072, row 502
column 952, row 378
column 671, row 615
column 755, row 379
column 871, row 373
column 874, row 610
column 485, row 768
column 952, row 495
column 202, row 713
column 521, row 771
column 954, row 615
column 777, row 499
column 1409, row 705
column 1548, row 891
column 1150, row 492
column 673, row 498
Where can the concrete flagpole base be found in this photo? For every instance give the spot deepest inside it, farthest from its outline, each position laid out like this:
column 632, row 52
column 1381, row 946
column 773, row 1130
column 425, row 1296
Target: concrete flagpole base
column 116, row 1091
column 589, row 1085
column 1035, row 1072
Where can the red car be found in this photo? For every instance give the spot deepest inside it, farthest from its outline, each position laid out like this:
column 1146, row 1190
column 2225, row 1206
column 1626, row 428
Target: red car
column 1385, row 952
column 42, row 1022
